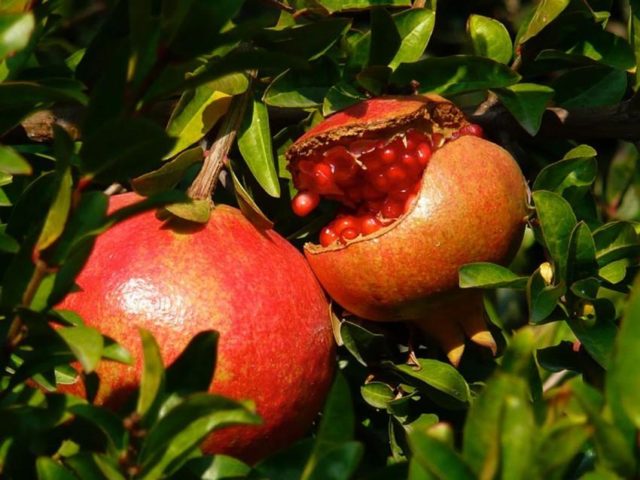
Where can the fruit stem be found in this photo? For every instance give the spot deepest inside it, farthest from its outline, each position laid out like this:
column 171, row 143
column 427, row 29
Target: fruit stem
column 454, row 317
column 205, row 182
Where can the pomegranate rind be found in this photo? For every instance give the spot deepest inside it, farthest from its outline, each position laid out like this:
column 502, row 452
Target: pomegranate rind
column 250, row 285
column 471, row 207
column 382, row 114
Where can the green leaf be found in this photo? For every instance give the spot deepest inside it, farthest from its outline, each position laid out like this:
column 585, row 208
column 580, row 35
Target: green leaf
column 482, row 431
column 385, row 39
column 254, row 142
column 542, row 298
column 591, row 86
column 377, row 394
column 338, row 420
column 527, row 102
column 363, row 344
column 198, row 211
column 557, row 221
column 442, row 377
column 604, row 47
column 191, row 25
column 153, row 376
column 106, row 421
column 518, row 429
column 489, row 275
column 49, row 469
column 578, row 169
column 336, row 463
column 340, row 96
column 597, row 331
column 195, row 114
column 8, row 244
column 634, row 35
column 415, row 27
column 193, row 370
column 177, row 434
column 438, row 458
column 489, row 38
column 622, row 386
column 455, row 74
column 123, row 148
column 300, row 88
column 167, row 176
column 342, row 5
column 58, row 213
column 86, row 343
column 248, row 206
column 582, row 254
column 614, row 452
column 13, row 163
column 310, row 41
column 15, row 32
column 546, row 12
column 216, row 467
column 556, row 448
column 615, row 240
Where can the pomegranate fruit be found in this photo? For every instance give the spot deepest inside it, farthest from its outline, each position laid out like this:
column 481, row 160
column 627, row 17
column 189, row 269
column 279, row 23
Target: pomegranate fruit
column 252, row 286
column 421, row 194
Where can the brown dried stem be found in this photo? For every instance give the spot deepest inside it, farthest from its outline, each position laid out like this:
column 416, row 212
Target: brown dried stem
column 204, row 185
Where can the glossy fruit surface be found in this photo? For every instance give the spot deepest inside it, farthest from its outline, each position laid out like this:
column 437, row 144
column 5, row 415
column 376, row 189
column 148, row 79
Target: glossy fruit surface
column 468, row 203
column 253, row 287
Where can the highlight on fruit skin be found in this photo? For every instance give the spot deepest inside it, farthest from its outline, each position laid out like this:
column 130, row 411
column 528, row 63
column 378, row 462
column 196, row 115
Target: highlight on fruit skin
column 421, row 193
column 250, row 285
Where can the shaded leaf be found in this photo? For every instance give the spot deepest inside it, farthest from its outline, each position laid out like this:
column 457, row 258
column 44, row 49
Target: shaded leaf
column 123, row 148
column 438, row 458
column 455, row 74
column 527, row 102
column 385, row 39
column 176, row 435
column 590, row 86
column 193, row 370
column 167, row 176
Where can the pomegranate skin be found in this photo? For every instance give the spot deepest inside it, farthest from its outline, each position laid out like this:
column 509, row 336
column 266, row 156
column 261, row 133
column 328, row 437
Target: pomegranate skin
column 253, row 287
column 471, row 207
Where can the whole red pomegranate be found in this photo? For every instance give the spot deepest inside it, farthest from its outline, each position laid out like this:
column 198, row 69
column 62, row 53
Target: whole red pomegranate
column 252, row 286
column 421, row 194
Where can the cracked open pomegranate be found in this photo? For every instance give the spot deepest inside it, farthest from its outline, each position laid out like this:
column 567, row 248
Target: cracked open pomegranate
column 421, row 193
column 250, row 285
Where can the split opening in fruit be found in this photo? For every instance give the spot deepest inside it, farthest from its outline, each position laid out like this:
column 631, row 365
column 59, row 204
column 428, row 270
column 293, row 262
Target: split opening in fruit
column 376, row 178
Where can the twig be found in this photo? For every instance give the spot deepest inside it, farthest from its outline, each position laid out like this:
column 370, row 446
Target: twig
column 205, row 183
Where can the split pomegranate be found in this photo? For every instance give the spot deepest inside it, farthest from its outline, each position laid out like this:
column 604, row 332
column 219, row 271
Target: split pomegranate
column 421, row 193
column 250, row 285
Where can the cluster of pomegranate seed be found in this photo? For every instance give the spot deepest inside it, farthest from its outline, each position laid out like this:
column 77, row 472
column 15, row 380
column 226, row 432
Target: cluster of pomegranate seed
column 376, row 180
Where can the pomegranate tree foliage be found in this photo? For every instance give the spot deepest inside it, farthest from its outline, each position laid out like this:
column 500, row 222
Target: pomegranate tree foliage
column 100, row 94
